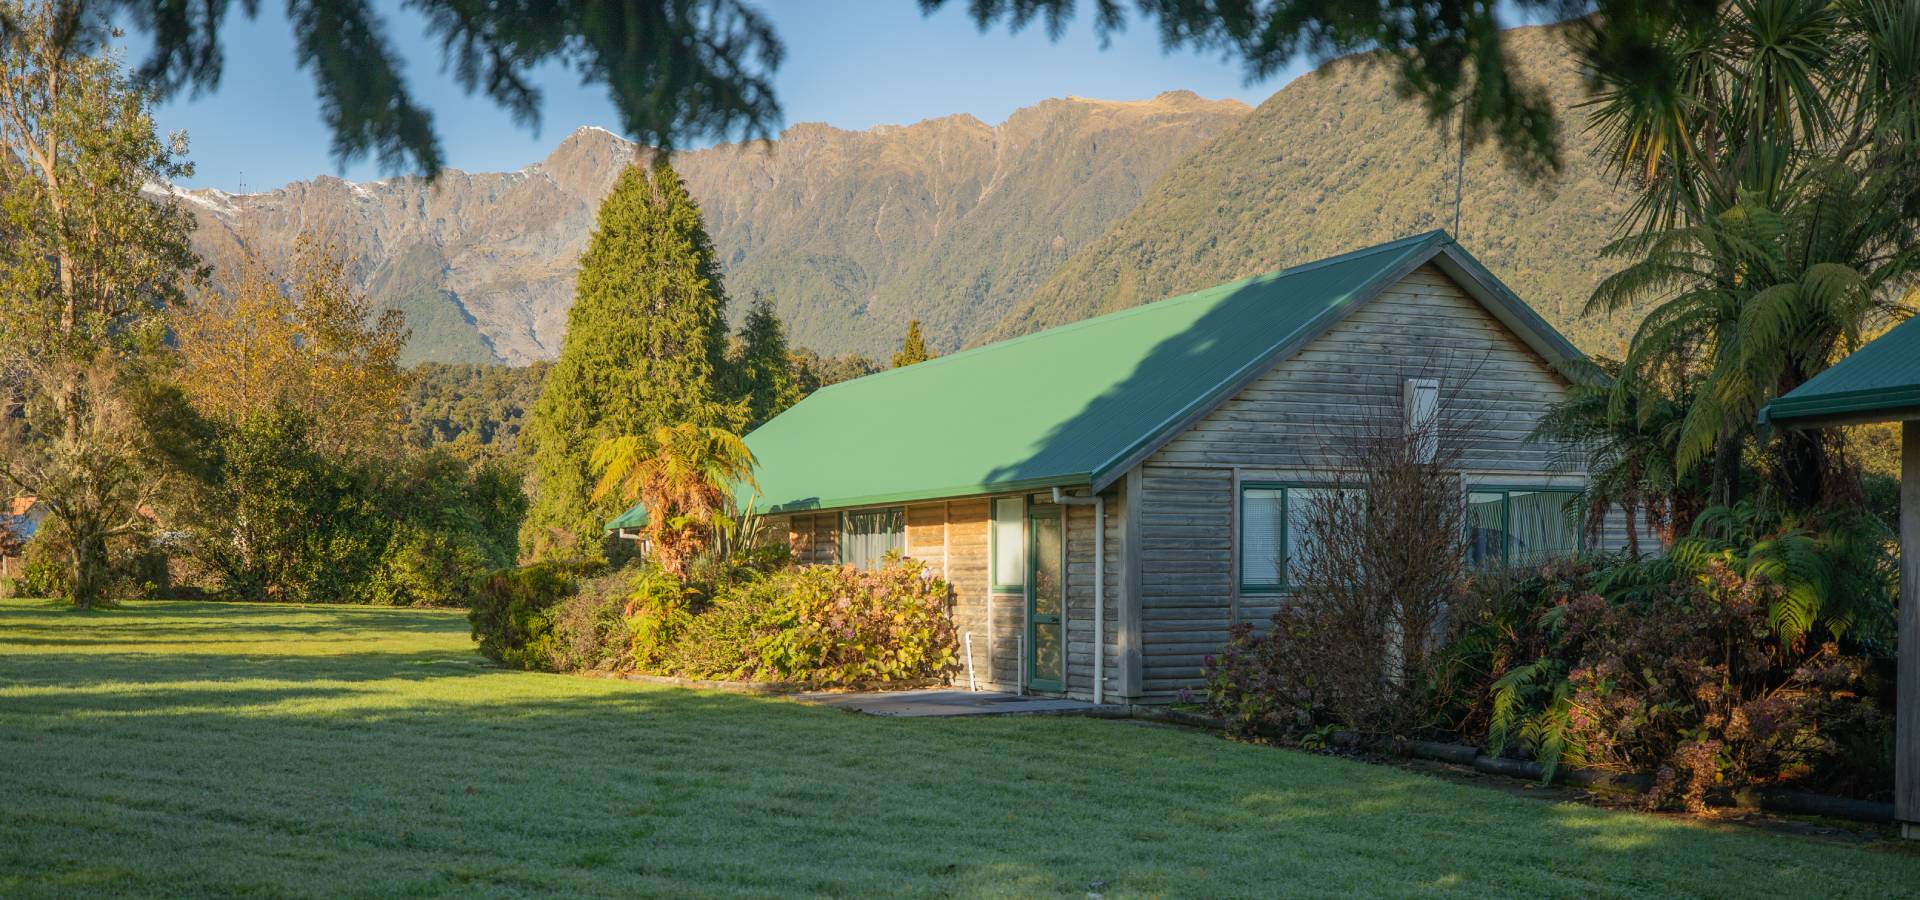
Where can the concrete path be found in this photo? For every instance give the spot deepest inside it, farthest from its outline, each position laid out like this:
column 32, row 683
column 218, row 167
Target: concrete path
column 949, row 702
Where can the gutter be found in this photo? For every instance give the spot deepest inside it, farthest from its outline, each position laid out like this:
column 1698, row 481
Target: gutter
column 1099, row 505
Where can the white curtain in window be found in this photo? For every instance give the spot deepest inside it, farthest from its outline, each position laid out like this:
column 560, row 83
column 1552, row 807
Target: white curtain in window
column 867, row 536
column 1541, row 527
column 1009, row 542
column 1261, row 512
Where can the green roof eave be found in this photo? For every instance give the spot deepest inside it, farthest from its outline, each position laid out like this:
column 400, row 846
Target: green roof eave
column 892, row 498
column 636, row 517
column 1886, row 403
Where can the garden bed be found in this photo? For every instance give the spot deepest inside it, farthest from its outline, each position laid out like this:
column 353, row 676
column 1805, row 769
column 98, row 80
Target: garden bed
column 1772, row 800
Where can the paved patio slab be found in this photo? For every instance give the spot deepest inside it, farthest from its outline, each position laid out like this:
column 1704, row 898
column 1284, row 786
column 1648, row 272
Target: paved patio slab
column 948, row 702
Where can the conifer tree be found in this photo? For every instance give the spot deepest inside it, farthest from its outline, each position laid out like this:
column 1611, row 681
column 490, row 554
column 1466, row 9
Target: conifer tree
column 763, row 371
column 913, row 349
column 645, row 348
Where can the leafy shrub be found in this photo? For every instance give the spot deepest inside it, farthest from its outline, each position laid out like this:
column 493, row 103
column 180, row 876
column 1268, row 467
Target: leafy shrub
column 137, row 566
column 1836, row 570
column 513, row 614
column 723, row 640
column 1691, row 683
column 426, row 567
column 1262, row 684
column 658, row 611
column 268, row 512
column 822, row 626
column 590, row 628
column 43, row 567
column 452, row 522
column 837, row 626
column 1701, row 692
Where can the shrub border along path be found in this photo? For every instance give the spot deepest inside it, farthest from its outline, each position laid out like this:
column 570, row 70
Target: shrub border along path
column 196, row 748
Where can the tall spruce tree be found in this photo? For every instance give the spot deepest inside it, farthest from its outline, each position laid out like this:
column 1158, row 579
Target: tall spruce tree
column 645, row 348
column 913, row 349
column 763, row 371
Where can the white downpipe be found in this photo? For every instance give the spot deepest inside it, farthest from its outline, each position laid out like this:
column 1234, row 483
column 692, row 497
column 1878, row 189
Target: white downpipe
column 970, row 684
column 1099, row 505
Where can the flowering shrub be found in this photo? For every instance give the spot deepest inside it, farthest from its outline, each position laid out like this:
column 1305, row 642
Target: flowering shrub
column 824, row 626
column 837, row 626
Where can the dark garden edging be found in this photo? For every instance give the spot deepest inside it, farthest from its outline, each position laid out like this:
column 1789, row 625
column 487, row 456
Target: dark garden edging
column 1787, row 802
column 755, row 688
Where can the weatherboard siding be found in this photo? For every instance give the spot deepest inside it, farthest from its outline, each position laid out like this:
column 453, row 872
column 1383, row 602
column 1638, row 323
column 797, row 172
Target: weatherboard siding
column 966, row 550
column 926, row 535
column 1186, row 562
column 1080, row 601
column 1423, row 327
column 1291, row 420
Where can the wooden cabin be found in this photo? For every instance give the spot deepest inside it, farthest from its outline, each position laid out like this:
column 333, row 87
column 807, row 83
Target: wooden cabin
column 1106, row 498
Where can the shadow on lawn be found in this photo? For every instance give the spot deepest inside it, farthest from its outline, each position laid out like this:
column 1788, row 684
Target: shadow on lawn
column 562, row 785
column 426, row 771
column 192, row 664
column 188, row 617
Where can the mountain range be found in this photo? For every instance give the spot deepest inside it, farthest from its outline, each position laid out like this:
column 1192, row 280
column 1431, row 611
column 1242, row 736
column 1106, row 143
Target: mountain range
column 852, row 233
column 1069, row 208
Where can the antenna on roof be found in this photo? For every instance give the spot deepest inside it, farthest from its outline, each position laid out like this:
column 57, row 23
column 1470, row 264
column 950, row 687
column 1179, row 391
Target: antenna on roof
column 1460, row 172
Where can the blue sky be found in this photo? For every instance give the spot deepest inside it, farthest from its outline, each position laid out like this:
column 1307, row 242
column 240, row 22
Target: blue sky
column 850, row 63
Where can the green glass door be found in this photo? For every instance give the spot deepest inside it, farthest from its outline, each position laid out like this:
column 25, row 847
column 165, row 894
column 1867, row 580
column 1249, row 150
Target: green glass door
column 1046, row 600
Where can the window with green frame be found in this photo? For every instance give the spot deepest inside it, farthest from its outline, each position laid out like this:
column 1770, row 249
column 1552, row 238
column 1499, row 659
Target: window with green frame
column 868, row 535
column 1520, row 526
column 1007, row 533
column 1274, row 540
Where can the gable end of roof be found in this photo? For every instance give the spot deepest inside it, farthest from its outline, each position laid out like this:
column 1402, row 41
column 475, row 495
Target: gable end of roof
column 1423, row 247
column 1437, row 247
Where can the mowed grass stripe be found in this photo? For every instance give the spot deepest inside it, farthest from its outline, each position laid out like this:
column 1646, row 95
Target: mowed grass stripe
column 201, row 748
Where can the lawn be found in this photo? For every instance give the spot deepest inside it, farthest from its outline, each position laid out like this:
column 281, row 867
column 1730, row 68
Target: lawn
column 196, row 748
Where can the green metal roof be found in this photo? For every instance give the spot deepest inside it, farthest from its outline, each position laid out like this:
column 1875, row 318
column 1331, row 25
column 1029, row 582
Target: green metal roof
column 1078, row 404
column 1881, row 380
column 632, row 518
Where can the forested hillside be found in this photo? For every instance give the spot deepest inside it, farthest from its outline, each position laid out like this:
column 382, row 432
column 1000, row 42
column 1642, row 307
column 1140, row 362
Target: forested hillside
column 1333, row 162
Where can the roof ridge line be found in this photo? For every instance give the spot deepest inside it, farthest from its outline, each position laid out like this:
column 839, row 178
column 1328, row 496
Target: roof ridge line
column 1310, row 265
column 1367, row 291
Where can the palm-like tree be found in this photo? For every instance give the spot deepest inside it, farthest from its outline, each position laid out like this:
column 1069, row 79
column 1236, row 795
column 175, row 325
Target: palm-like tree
column 1778, row 161
column 1624, row 439
column 1758, row 301
column 685, row 476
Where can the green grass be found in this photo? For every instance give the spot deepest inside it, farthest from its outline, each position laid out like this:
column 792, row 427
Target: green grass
column 210, row 748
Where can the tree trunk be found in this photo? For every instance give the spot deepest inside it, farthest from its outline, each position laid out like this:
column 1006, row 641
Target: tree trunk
column 1800, row 471
column 87, row 582
column 1726, row 470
